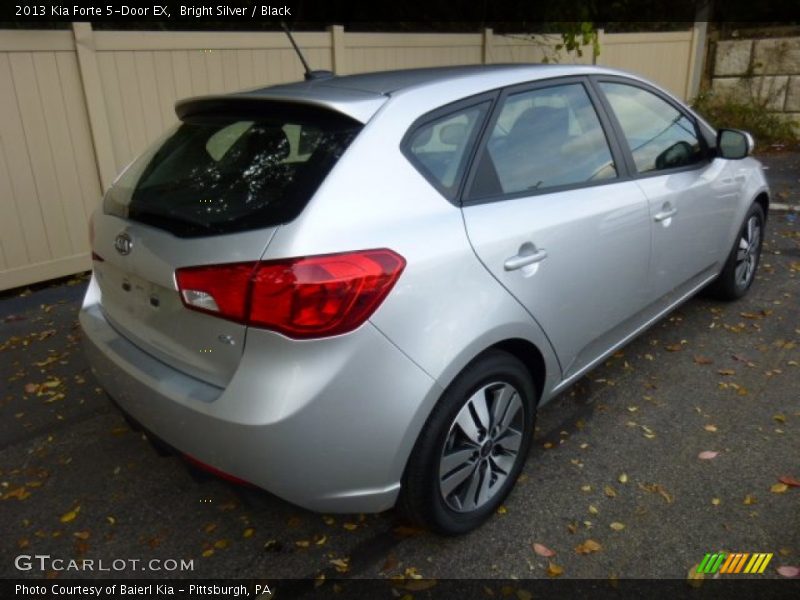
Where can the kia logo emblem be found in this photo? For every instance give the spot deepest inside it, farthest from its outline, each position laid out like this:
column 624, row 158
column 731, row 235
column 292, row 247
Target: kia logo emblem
column 123, row 244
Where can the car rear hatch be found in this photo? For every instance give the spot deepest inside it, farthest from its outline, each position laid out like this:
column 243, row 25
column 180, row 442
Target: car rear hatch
column 211, row 191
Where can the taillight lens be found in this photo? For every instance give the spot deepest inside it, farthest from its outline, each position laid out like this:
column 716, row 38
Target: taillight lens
column 302, row 298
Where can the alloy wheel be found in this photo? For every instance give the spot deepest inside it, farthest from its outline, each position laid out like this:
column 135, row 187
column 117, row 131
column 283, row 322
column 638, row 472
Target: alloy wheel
column 747, row 252
column 481, row 447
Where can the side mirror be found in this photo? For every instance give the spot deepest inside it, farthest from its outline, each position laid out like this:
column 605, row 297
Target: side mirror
column 677, row 155
column 734, row 144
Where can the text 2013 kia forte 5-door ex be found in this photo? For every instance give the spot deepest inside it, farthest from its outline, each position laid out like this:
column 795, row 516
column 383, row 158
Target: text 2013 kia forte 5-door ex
column 355, row 292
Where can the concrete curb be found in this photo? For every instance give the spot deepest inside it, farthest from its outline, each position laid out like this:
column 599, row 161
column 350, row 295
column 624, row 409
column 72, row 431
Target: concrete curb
column 784, row 207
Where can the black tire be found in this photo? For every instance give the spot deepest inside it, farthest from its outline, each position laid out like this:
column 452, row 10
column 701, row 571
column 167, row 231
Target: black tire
column 494, row 377
column 729, row 284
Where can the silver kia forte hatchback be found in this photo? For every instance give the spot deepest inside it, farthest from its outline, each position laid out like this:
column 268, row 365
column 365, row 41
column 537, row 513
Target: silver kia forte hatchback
column 354, row 292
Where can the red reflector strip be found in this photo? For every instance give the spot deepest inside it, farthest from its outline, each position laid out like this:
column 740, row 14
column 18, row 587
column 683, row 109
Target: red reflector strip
column 214, row 471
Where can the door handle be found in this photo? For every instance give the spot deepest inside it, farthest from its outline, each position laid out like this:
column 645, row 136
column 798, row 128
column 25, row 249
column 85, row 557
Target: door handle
column 528, row 255
column 665, row 214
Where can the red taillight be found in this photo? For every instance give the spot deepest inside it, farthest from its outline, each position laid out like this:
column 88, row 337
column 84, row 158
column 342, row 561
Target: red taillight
column 305, row 297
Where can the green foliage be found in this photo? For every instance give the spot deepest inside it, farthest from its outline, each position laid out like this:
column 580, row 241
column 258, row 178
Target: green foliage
column 575, row 34
column 747, row 113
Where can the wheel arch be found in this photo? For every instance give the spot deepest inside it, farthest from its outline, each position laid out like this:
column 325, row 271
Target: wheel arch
column 529, row 355
column 762, row 199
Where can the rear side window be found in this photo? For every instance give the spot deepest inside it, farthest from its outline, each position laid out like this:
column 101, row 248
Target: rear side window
column 659, row 136
column 440, row 148
column 216, row 174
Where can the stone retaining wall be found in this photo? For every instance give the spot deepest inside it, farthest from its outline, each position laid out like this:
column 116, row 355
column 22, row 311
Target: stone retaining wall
column 765, row 69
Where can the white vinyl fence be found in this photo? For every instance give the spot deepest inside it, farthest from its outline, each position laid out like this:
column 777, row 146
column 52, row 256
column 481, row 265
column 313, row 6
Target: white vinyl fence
column 77, row 106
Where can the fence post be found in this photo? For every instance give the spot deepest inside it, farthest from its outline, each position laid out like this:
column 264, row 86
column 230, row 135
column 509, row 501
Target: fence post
column 488, row 38
column 95, row 103
column 696, row 59
column 337, row 49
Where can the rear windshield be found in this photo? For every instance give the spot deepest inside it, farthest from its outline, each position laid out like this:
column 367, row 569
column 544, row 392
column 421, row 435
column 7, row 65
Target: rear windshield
column 216, row 174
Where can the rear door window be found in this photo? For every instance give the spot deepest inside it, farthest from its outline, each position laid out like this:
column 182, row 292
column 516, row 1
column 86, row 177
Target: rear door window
column 548, row 137
column 220, row 173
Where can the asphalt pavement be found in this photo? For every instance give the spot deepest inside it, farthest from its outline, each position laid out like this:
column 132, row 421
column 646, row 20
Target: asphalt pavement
column 675, row 447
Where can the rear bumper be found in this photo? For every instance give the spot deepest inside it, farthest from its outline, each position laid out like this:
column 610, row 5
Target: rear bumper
column 327, row 425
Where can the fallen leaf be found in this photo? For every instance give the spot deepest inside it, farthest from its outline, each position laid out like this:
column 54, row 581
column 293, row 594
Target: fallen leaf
column 70, row 516
column 208, row 552
column 779, row 418
column 609, row 491
column 81, row 535
column 654, row 488
column 703, row 360
column 617, row 526
column 31, row 388
column 788, row 571
column 391, row 562
column 350, row 526
column 248, row 532
column 588, row 547
column 19, row 493
column 342, row 564
column 543, row 550
column 779, row 488
column 221, row 544
column 750, row 500
column 726, row 372
column 623, row 478
column 673, row 348
column 707, row 455
column 501, row 510
column 715, row 501
column 593, row 509
column 553, row 570
column 711, row 428
column 790, row 481
column 302, row 543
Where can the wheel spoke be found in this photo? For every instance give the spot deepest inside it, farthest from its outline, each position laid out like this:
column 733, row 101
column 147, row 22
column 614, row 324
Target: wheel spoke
column 501, row 404
column 485, row 491
column 750, row 225
column 510, row 441
column 755, row 240
column 741, row 253
column 741, row 269
column 455, row 459
column 468, row 425
column 471, row 495
column 503, row 463
column 513, row 410
column 743, row 243
column 481, row 409
column 450, row 483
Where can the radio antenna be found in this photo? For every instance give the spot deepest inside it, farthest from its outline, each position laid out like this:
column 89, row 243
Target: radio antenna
column 309, row 73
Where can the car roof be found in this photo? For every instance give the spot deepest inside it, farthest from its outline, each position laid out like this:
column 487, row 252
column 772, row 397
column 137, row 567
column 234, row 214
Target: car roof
column 360, row 96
